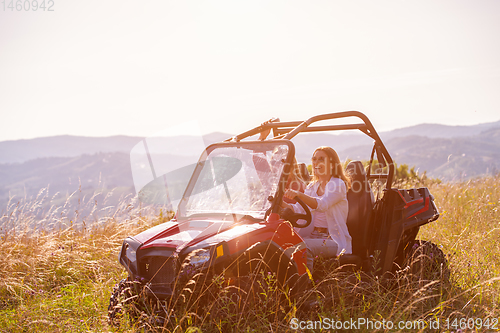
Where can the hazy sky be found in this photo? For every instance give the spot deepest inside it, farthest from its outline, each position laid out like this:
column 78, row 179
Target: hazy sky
column 101, row 68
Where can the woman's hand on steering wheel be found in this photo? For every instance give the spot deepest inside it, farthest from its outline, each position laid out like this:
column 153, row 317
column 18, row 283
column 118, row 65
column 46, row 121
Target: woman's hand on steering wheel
column 290, row 215
column 291, row 194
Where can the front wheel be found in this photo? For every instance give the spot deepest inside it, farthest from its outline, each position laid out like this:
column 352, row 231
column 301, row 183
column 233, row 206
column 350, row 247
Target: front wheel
column 122, row 301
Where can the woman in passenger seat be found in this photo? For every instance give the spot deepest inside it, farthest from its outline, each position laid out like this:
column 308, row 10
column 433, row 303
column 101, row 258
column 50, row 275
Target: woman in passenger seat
column 326, row 196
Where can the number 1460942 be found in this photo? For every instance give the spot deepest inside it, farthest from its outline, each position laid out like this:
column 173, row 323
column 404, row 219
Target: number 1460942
column 28, row 5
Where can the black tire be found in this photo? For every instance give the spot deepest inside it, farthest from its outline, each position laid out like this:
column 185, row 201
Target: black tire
column 427, row 261
column 122, row 301
column 259, row 275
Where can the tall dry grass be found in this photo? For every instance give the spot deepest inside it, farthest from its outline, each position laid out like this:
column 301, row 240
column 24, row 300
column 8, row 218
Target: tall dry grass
column 57, row 267
column 468, row 231
column 57, row 272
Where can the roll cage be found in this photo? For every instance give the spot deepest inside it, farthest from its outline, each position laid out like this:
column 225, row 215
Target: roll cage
column 290, row 129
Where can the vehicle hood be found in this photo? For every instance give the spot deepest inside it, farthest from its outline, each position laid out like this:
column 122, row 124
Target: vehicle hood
column 193, row 233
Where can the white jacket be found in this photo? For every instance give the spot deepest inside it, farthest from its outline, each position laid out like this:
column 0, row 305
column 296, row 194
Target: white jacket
column 334, row 203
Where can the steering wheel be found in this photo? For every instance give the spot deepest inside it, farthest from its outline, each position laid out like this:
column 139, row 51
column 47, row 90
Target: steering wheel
column 291, row 216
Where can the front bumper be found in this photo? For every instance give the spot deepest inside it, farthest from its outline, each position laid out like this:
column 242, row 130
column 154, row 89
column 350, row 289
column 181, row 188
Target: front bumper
column 160, row 271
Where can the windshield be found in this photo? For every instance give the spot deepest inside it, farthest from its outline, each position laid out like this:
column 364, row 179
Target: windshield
column 235, row 180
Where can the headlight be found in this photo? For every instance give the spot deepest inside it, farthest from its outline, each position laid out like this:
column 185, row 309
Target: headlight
column 128, row 255
column 199, row 257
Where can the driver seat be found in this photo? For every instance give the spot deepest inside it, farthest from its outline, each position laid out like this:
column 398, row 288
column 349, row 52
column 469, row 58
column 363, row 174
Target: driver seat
column 360, row 199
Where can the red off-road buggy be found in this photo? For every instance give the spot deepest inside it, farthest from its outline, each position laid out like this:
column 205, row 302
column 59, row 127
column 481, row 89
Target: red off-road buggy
column 228, row 223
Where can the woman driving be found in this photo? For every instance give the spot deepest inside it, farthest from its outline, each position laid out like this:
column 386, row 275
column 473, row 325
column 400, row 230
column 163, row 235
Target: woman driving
column 326, row 196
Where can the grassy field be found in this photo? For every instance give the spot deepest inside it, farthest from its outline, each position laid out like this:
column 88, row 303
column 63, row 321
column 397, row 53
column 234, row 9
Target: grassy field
column 59, row 278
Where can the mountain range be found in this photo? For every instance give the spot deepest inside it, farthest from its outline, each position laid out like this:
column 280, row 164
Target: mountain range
column 67, row 164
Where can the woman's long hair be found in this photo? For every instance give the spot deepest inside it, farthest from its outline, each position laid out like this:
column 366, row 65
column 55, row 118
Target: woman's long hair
column 335, row 167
